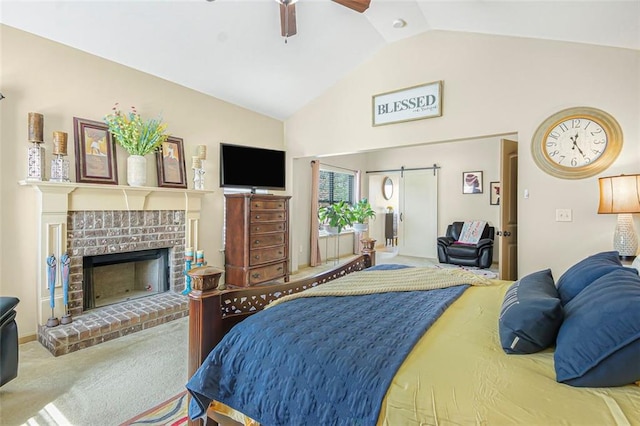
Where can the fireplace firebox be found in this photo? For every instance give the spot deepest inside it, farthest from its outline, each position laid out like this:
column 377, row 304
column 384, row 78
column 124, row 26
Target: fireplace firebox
column 118, row 277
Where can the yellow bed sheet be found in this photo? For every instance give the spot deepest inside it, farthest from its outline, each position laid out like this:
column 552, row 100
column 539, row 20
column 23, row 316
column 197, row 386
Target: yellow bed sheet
column 458, row 374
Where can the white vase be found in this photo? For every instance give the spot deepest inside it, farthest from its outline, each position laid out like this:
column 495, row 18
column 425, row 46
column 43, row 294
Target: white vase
column 360, row 227
column 136, row 170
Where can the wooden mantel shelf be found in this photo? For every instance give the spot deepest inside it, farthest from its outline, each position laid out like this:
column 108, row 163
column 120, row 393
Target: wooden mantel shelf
column 73, row 196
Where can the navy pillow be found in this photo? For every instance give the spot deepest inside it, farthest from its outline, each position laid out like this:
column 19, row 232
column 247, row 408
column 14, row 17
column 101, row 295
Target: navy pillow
column 599, row 341
column 583, row 273
column 531, row 314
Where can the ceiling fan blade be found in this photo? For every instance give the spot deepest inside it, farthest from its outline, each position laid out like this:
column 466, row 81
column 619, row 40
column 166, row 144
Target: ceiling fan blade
column 357, row 5
column 288, row 19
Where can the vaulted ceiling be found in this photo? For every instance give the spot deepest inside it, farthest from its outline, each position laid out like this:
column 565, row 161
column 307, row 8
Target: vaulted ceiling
column 233, row 50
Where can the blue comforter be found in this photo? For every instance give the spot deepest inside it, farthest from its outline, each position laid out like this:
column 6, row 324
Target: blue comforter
column 332, row 365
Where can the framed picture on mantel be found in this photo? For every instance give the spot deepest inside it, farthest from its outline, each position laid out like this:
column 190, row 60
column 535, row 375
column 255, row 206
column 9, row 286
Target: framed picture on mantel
column 171, row 164
column 95, row 152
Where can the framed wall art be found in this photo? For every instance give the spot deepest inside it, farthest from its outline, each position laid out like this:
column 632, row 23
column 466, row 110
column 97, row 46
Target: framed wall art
column 412, row 103
column 472, row 182
column 95, row 152
column 494, row 193
column 171, row 164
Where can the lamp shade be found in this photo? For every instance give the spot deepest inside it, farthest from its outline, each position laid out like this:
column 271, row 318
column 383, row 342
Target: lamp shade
column 619, row 194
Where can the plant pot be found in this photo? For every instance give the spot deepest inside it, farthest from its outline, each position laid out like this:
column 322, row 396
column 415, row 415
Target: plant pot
column 333, row 230
column 136, row 170
column 360, row 227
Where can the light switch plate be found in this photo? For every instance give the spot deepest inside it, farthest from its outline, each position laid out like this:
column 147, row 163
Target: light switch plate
column 563, row 215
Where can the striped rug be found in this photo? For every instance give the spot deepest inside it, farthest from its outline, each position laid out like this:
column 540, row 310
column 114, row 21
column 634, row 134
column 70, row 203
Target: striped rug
column 172, row 412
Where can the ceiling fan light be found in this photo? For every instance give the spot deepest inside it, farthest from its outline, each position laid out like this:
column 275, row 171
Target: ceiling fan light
column 286, row 2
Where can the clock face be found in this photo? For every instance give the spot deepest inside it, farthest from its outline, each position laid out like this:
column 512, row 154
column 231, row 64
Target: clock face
column 576, row 143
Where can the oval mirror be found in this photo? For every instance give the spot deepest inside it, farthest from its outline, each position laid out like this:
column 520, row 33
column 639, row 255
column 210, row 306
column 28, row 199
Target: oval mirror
column 387, row 188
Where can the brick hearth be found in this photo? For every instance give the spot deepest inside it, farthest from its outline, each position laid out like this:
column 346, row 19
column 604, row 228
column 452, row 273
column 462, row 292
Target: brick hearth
column 110, row 322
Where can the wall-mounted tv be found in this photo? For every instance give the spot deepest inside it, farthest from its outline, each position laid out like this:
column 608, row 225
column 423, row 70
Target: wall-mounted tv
column 251, row 167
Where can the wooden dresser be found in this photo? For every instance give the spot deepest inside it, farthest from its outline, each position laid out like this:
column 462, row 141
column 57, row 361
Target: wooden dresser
column 257, row 238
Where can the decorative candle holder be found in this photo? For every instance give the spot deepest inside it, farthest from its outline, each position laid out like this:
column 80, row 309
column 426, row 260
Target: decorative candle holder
column 198, row 171
column 59, row 165
column 198, row 178
column 59, row 169
column 35, row 156
column 188, row 259
column 35, row 160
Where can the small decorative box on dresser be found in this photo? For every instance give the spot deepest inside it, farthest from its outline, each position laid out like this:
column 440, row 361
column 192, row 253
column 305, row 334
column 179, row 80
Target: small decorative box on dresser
column 257, row 239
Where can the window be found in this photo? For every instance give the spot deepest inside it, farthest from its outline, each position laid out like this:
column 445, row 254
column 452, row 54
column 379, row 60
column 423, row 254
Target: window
column 335, row 186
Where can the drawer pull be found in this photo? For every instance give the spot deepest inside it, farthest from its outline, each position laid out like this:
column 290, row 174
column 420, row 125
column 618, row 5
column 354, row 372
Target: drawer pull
column 257, row 257
column 257, row 216
column 280, row 268
column 257, row 228
column 256, row 242
column 255, row 276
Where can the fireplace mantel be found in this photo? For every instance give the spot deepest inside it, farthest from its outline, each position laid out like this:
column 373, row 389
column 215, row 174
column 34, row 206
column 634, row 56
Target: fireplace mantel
column 62, row 197
column 54, row 201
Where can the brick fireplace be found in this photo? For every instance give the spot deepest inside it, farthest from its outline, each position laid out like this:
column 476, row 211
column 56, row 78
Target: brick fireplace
column 87, row 220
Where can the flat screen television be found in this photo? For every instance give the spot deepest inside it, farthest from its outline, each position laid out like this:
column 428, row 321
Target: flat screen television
column 251, row 167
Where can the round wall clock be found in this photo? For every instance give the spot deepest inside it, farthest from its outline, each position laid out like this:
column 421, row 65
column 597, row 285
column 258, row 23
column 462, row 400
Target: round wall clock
column 576, row 143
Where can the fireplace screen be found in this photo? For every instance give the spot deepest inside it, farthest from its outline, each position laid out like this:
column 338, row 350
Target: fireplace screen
column 119, row 277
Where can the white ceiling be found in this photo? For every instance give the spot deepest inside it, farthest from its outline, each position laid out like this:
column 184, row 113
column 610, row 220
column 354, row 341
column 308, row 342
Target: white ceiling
column 232, row 49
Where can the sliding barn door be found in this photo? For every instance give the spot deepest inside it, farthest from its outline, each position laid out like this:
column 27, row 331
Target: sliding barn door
column 418, row 220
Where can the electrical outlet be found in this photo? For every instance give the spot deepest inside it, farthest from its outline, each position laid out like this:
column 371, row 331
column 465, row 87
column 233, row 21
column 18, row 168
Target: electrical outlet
column 563, row 215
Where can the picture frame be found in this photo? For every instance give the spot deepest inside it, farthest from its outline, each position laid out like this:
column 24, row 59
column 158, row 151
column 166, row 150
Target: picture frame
column 472, row 182
column 171, row 164
column 409, row 104
column 95, row 152
column 494, row 193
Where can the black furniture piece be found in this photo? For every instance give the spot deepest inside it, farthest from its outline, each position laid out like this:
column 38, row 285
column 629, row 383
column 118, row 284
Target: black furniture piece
column 451, row 251
column 8, row 340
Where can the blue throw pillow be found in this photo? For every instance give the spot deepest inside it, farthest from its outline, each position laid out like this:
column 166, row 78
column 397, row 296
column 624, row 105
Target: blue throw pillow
column 583, row 273
column 531, row 314
column 599, row 341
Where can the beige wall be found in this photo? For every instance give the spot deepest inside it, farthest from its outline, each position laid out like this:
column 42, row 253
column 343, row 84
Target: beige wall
column 492, row 86
column 62, row 83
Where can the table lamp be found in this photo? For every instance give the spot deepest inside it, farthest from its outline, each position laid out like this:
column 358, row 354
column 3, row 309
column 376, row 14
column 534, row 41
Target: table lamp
column 621, row 195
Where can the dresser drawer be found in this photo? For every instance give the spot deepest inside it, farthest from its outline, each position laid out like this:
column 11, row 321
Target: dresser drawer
column 267, row 216
column 268, row 205
column 258, row 257
column 266, row 273
column 260, row 228
column 266, row 240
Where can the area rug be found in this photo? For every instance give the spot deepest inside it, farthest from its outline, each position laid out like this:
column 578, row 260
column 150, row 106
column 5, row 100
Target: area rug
column 487, row 273
column 172, row 412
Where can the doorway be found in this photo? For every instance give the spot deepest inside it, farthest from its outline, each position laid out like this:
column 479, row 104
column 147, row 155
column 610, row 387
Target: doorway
column 413, row 206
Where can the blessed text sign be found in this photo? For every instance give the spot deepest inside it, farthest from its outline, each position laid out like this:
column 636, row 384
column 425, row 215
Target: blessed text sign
column 414, row 103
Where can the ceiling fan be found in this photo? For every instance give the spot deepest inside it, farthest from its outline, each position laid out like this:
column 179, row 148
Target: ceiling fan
column 288, row 13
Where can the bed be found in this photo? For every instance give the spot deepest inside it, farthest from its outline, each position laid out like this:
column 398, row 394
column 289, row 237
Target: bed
column 454, row 367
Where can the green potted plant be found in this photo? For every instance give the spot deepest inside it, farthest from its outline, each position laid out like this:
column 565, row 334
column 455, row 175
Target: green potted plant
column 138, row 137
column 335, row 216
column 360, row 212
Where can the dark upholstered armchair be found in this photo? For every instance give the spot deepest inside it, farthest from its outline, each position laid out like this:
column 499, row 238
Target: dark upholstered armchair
column 451, row 251
column 8, row 340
